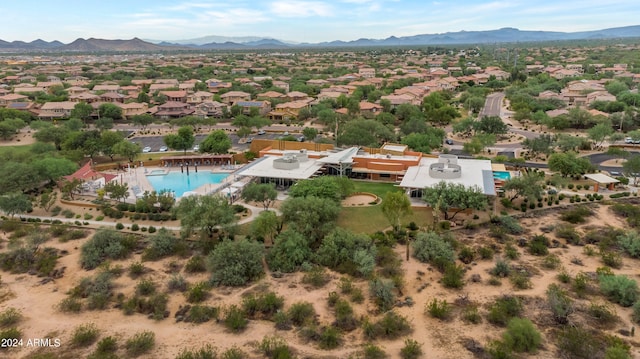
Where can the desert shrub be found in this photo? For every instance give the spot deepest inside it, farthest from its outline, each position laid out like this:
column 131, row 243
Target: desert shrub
column 390, row 326
column 195, row 264
column 382, row 293
column 390, row 264
column 201, row 314
column 522, row 336
column 564, row 277
column 576, row 215
column 617, row 352
column 520, row 280
column 636, row 312
column 145, row 287
column 611, row 259
column 316, row 277
column 345, row 318
column 347, row 252
column 560, row 304
column 84, row 335
column 152, row 229
column 551, row 261
column 602, row 313
column 470, row 314
column 604, row 237
column 9, row 317
column 330, row 338
column 429, row 247
column 235, row 263
column 140, row 343
column 485, row 252
column 453, row 276
column 205, row 352
column 372, row 351
column 290, row 249
column 630, row 243
column 503, row 309
column 73, row 235
column 177, row 283
column 233, row 353
column 580, row 284
column 538, row 245
column 439, row 309
column 275, row 347
column 466, row 255
column 119, row 226
column 264, row 305
column 162, row 244
column 106, row 345
column 135, row 227
column 619, row 289
column 70, row 305
column 577, row 342
column 282, row 320
column 234, row 319
column 569, row 233
column 301, row 312
column 345, row 285
column 510, row 252
column 510, row 224
column 501, row 269
column 356, row 295
column 105, row 244
column 136, row 269
column 9, row 335
column 411, row 349
column 97, row 290
column 198, row 292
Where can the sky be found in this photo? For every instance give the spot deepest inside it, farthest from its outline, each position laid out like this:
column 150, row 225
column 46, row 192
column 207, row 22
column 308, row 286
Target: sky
column 300, row 20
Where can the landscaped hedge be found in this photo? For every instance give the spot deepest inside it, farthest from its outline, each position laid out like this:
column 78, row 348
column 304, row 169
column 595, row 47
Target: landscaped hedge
column 620, row 195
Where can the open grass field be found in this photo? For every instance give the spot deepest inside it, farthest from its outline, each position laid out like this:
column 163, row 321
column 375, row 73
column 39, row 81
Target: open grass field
column 369, row 219
column 16, row 150
column 377, row 188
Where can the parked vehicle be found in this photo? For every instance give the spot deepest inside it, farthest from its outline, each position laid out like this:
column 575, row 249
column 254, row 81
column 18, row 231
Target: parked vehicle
column 147, row 149
column 164, row 149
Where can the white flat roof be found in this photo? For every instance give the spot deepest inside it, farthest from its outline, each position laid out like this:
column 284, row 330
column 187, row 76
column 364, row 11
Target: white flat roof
column 474, row 173
column 344, row 156
column 601, row 178
column 263, row 167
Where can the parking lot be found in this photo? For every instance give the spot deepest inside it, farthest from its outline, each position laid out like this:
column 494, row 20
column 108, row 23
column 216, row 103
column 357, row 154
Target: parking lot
column 155, row 142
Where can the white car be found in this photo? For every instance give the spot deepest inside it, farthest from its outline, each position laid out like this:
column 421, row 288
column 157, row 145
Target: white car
column 196, row 148
column 628, row 140
column 164, row 149
column 147, row 149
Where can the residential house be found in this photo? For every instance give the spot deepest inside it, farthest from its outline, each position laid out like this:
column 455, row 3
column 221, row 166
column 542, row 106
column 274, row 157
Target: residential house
column 173, row 109
column 112, row 97
column 263, row 106
column 297, row 96
column 317, row 82
column 397, row 100
column 367, row 72
column 370, row 110
column 176, row 96
column 215, row 86
column 199, row 97
column 75, row 90
column 56, row 110
column 161, row 86
column 133, row 108
column 11, row 98
column 210, row 109
column 565, row 73
column 288, row 110
column 599, row 96
column 106, row 88
column 232, row 97
column 270, row 95
column 84, row 97
column 281, row 84
column 28, row 89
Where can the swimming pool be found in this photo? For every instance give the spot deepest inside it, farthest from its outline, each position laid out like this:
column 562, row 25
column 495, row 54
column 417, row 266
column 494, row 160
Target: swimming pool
column 180, row 183
column 502, row 175
column 156, row 172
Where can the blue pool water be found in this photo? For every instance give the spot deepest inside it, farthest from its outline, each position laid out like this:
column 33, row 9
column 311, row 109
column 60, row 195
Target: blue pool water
column 180, row 183
column 502, row 175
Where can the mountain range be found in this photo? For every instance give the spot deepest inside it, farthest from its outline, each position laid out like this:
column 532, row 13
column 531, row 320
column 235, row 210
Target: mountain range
column 504, row 35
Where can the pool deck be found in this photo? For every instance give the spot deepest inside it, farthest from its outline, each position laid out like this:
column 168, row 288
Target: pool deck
column 138, row 182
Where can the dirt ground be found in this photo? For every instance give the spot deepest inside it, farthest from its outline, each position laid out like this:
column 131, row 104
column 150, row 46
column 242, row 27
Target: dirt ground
column 439, row 339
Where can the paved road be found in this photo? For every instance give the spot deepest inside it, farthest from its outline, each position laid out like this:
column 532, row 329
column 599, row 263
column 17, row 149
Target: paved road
column 493, row 105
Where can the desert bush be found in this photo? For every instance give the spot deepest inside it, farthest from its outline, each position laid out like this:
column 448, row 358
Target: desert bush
column 345, row 285
column 520, row 280
column 576, row 215
column 466, row 255
column 290, row 249
column 345, row 319
column 390, row 326
column 136, row 269
column 282, row 320
column 453, row 276
column 145, row 287
column 501, row 269
column 503, row 309
column 162, row 244
column 429, row 247
column 356, row 295
column 411, row 349
column 9, row 335
column 9, row 317
column 105, row 244
column 577, row 342
column 611, row 259
column 106, row 345
column 233, row 353
column 177, row 283
column 195, row 264
column 602, row 313
column 439, row 309
column 70, row 305
column 560, row 304
column 84, row 335
column 538, row 246
column 568, row 232
column 382, row 293
column 580, row 284
column 330, row 338
column 275, row 347
column 140, row 343
column 198, row 292
column 262, row 306
column 630, row 243
column 372, row 351
column 551, row 261
column 485, row 252
column 235, row 263
column 510, row 252
column 390, row 264
column 347, row 252
column 619, row 289
column 301, row 312
column 234, row 319
column 201, row 314
column 205, row 352
column 470, row 314
column 510, row 224
column 522, row 336
column 316, row 277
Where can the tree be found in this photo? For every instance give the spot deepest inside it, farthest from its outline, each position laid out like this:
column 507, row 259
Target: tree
column 9, row 127
column 53, row 168
column 569, row 164
column 47, row 199
column 492, row 125
column 51, row 133
column 18, row 177
column 600, row 132
column 541, row 144
column 424, row 142
column 82, row 111
column 69, row 187
column 347, row 252
column 567, row 142
column 395, row 205
column 260, row 192
column 127, row 149
column 110, row 110
column 15, row 203
column 312, row 217
column 454, row 197
column 265, row 226
column 104, row 123
column 321, row 187
column 310, row 133
column 528, row 185
column 108, row 141
column 205, row 213
column 360, row 132
column 430, row 247
column 182, row 141
column 117, row 191
column 235, row 263
column 289, row 252
column 631, row 168
column 142, row 120
column 217, row 142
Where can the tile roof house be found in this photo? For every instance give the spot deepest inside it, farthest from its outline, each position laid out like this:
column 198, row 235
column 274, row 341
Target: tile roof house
column 161, row 86
column 177, row 96
column 56, row 110
column 173, row 109
column 263, row 106
column 270, row 95
column 288, row 110
column 210, row 109
column 369, row 110
column 10, row 98
column 199, row 97
column 84, row 97
column 232, row 97
column 133, row 108
column 216, row 85
column 106, row 88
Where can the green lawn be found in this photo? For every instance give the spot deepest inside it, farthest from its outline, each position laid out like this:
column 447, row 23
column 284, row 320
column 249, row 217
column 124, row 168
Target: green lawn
column 369, row 219
column 377, row 188
column 18, row 150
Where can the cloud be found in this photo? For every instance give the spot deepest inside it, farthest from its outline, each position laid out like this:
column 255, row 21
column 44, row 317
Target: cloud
column 295, row 8
column 191, row 6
